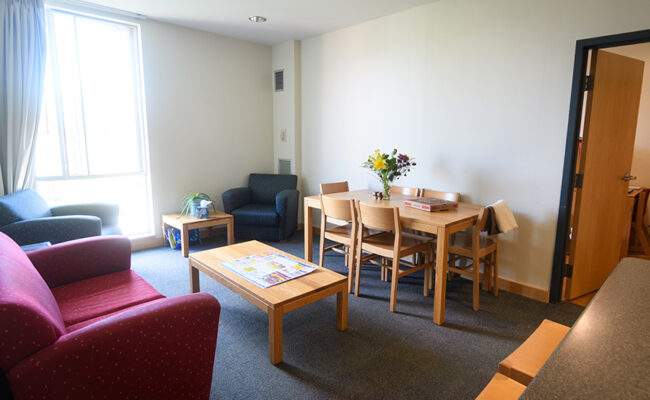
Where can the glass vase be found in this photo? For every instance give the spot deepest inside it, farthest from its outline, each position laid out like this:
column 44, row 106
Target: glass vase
column 386, row 190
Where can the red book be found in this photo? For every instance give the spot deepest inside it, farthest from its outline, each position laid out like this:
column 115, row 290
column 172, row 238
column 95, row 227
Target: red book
column 430, row 204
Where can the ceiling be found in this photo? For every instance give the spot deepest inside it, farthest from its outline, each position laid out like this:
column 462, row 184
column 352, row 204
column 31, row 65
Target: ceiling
column 287, row 19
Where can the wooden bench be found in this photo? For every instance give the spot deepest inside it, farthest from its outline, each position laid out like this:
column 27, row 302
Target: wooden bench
column 501, row 388
column 524, row 363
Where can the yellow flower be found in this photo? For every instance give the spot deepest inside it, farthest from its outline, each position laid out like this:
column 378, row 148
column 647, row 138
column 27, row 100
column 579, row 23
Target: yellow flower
column 379, row 163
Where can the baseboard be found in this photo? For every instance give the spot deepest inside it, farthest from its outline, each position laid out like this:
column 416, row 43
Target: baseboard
column 146, row 242
column 523, row 289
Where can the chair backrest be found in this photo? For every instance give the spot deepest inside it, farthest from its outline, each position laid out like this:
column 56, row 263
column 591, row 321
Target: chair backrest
column 22, row 205
column 481, row 220
column 334, row 187
column 405, row 191
column 342, row 209
column 30, row 319
column 378, row 217
column 435, row 194
column 264, row 187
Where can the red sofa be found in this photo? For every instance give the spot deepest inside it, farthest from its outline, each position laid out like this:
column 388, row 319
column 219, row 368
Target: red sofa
column 76, row 322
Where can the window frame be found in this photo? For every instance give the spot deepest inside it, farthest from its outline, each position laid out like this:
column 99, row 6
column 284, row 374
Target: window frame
column 144, row 169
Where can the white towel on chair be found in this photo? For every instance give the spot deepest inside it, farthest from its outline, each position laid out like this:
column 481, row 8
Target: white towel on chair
column 504, row 216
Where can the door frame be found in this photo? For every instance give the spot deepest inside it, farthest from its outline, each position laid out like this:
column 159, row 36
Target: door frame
column 571, row 149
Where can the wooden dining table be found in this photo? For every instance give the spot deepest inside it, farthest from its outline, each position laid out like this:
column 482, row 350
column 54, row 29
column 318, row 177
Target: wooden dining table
column 440, row 223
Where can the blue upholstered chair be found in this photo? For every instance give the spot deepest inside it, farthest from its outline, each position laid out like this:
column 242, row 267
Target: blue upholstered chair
column 26, row 218
column 267, row 209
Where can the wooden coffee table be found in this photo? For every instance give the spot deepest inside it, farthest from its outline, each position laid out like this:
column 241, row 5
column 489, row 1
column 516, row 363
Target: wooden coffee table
column 276, row 300
column 185, row 223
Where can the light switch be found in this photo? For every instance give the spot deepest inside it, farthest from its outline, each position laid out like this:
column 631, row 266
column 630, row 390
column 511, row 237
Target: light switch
column 283, row 135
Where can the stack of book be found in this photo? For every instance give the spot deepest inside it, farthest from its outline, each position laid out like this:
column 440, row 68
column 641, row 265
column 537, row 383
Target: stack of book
column 429, row 204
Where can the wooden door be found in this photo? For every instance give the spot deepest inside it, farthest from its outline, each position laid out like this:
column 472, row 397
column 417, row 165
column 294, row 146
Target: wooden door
column 608, row 143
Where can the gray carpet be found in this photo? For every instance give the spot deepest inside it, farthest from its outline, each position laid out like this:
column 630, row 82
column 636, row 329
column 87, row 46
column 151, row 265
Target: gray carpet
column 385, row 355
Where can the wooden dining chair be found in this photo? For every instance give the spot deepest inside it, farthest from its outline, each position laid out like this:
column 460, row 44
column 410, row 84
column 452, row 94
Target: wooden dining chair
column 405, row 191
column 435, row 194
column 345, row 236
column 390, row 244
column 334, row 187
column 480, row 249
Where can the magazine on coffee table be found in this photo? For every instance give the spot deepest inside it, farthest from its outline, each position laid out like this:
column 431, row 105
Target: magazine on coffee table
column 268, row 268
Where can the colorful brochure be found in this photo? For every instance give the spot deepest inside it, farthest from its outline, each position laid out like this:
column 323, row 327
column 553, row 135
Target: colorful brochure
column 268, row 268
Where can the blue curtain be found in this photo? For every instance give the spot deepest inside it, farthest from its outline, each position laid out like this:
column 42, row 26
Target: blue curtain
column 23, row 45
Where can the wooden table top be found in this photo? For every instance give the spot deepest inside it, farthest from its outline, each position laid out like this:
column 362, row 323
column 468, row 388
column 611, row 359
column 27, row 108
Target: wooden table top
column 186, row 219
column 285, row 292
column 464, row 211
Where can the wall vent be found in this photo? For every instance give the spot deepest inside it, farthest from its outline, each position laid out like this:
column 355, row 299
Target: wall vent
column 284, row 166
column 279, row 80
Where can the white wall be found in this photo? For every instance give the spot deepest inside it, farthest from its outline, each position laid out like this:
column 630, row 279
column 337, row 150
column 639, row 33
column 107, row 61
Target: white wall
column 209, row 112
column 286, row 105
column 477, row 90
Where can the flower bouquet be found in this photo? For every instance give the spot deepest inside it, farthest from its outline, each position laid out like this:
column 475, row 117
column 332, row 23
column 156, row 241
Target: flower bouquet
column 388, row 167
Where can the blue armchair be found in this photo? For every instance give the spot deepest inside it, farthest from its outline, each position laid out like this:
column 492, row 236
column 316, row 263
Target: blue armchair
column 26, row 218
column 267, row 209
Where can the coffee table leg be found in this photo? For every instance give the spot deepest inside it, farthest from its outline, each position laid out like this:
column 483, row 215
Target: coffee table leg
column 194, row 280
column 231, row 231
column 275, row 335
column 342, row 309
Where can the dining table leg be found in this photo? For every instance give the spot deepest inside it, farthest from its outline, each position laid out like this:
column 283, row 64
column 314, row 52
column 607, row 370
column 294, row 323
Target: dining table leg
column 440, row 289
column 309, row 232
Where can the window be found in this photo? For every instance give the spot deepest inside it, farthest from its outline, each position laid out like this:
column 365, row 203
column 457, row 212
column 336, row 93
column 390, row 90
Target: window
column 91, row 144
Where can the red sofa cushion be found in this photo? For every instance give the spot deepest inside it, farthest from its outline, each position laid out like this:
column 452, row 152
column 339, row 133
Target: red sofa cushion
column 29, row 316
column 83, row 324
column 94, row 297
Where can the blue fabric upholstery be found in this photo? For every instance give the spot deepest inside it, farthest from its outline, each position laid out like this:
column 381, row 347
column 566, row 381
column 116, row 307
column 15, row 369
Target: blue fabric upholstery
column 267, row 209
column 27, row 219
column 53, row 229
column 256, row 214
column 108, row 213
column 26, row 204
column 265, row 187
column 235, row 198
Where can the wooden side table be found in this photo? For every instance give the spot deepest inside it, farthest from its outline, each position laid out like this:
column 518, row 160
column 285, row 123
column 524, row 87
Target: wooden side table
column 185, row 223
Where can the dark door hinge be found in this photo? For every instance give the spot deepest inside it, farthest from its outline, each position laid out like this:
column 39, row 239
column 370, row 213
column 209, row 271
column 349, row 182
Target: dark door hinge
column 567, row 270
column 579, row 179
column 588, row 83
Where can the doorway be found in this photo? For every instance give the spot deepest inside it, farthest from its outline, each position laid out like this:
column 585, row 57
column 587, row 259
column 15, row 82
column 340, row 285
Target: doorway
column 581, row 100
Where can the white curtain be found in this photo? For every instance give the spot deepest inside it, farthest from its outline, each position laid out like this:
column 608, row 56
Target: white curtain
column 23, row 44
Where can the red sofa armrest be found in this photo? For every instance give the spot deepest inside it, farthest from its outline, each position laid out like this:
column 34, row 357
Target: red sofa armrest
column 161, row 350
column 82, row 259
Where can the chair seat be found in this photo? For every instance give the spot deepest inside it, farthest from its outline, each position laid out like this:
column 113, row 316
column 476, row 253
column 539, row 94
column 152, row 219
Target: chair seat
column 343, row 233
column 94, row 297
column 82, row 324
column 382, row 244
column 463, row 245
column 257, row 214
